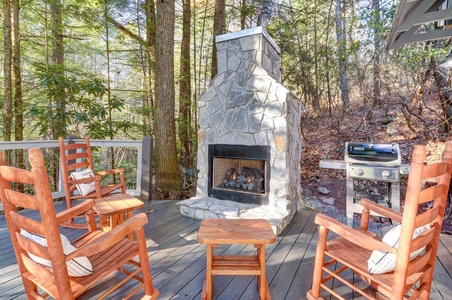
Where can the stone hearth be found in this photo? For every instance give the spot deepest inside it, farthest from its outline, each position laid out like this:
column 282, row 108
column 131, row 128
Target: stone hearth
column 246, row 104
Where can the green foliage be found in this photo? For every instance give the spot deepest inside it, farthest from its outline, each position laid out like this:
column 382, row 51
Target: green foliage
column 77, row 105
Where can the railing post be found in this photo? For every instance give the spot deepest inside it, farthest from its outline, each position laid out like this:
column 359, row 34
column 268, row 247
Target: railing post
column 146, row 163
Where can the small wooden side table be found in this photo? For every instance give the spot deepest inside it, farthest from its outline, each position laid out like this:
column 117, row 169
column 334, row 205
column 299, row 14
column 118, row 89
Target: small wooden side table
column 236, row 231
column 115, row 209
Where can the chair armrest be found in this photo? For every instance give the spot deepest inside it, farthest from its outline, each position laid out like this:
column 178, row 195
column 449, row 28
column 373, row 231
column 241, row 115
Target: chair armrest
column 357, row 237
column 114, row 171
column 85, row 180
column 110, row 238
column 382, row 210
column 75, row 211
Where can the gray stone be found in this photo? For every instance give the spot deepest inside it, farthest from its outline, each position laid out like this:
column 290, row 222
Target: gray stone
column 240, row 122
column 187, row 211
column 329, row 200
column 323, row 190
column 211, row 137
column 238, row 97
column 254, row 122
column 209, row 94
column 218, row 79
column 233, row 63
column 250, row 42
column 255, row 105
column 233, row 50
column 199, row 214
column 204, row 119
column 225, row 88
column 241, row 78
column 391, row 129
column 214, row 105
column 227, row 119
column 222, row 45
column 261, row 138
column 222, row 64
column 237, row 138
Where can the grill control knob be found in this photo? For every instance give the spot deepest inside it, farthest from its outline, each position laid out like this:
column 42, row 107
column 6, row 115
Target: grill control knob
column 359, row 172
column 385, row 173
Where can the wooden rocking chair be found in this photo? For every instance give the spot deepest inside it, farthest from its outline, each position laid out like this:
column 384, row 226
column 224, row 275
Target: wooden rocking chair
column 77, row 156
column 385, row 263
column 49, row 264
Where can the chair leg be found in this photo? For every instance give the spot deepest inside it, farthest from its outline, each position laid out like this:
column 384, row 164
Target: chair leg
column 314, row 293
column 150, row 291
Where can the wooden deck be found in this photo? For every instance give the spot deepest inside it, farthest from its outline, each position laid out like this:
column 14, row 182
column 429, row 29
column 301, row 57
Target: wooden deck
column 178, row 260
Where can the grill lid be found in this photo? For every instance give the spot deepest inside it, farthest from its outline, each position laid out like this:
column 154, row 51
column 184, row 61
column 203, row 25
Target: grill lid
column 383, row 154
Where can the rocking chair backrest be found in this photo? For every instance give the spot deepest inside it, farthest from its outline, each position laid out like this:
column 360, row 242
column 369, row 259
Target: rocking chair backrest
column 47, row 226
column 430, row 202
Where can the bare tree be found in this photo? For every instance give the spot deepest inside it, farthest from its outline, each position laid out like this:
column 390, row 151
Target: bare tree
column 342, row 55
column 377, row 52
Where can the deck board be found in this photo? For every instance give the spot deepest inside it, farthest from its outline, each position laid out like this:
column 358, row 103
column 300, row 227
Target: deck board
column 178, row 260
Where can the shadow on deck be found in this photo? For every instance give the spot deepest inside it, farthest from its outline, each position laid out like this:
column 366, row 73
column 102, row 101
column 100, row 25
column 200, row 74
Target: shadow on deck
column 178, row 260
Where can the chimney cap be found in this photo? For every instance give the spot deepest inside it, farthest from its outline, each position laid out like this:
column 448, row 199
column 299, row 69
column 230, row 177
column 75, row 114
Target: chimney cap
column 247, row 32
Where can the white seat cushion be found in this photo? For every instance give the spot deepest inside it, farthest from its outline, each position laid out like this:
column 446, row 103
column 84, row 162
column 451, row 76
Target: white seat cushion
column 77, row 267
column 382, row 262
column 84, row 188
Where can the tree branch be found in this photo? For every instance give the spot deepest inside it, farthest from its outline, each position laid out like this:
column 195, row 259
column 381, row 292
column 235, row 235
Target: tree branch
column 128, row 32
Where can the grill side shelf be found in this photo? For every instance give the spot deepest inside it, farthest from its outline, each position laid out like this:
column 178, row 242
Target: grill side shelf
column 342, row 165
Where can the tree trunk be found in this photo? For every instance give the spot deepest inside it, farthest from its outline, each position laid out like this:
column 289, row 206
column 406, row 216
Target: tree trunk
column 7, row 71
column 243, row 14
column 151, row 39
column 168, row 179
column 59, row 99
column 17, row 77
column 315, row 97
column 57, row 60
column 185, row 84
column 218, row 21
column 342, row 55
column 377, row 52
column 260, row 13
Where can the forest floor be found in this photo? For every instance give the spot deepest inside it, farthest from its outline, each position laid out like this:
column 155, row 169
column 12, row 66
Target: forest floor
column 324, row 137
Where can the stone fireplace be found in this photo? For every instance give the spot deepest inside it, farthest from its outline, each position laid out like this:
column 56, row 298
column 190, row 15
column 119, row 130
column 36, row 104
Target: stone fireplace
column 239, row 173
column 249, row 146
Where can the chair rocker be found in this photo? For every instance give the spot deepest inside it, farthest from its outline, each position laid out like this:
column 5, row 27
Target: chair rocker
column 384, row 263
column 49, row 264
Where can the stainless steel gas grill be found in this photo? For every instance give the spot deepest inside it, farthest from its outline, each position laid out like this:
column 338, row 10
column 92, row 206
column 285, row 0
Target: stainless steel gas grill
column 374, row 162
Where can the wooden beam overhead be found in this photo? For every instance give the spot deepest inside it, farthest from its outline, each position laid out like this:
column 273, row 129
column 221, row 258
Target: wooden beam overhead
column 411, row 14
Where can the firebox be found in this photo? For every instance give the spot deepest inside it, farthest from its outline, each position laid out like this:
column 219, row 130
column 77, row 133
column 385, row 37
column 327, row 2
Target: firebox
column 239, row 173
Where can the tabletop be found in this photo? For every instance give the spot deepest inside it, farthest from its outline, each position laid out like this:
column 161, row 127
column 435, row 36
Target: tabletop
column 116, row 204
column 236, row 231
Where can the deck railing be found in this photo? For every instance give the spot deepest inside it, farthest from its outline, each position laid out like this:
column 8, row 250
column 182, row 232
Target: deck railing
column 143, row 161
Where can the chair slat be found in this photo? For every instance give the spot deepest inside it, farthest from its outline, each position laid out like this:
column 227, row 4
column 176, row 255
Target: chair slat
column 22, row 200
column 28, row 224
column 431, row 193
column 434, row 170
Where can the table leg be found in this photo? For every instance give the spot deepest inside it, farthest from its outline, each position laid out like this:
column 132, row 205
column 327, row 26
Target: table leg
column 261, row 279
column 104, row 223
column 209, row 277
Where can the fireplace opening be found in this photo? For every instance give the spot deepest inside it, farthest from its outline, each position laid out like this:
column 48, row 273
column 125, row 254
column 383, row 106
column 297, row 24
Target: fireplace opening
column 239, row 173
